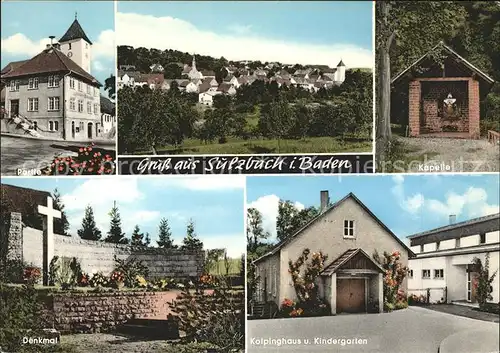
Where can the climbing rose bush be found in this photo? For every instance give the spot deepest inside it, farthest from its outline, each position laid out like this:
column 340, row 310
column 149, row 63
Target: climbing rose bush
column 394, row 275
column 304, row 284
column 484, row 280
column 89, row 161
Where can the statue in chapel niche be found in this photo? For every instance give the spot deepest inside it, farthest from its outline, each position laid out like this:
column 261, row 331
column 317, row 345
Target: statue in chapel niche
column 450, row 108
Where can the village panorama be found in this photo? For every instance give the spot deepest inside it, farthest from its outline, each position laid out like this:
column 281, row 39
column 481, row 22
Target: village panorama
column 173, row 102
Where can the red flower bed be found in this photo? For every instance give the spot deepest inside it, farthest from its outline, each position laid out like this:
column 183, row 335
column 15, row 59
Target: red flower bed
column 90, row 161
column 31, row 275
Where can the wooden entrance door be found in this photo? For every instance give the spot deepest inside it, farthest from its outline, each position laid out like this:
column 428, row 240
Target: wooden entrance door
column 14, row 108
column 351, row 295
column 89, row 130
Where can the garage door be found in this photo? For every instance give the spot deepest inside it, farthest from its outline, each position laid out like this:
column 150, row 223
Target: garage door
column 350, row 295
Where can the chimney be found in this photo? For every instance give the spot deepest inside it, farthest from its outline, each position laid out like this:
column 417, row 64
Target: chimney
column 324, row 201
column 52, row 40
column 453, row 218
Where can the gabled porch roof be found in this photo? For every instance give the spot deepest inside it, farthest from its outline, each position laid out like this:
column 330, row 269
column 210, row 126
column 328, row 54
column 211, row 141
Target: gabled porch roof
column 452, row 53
column 344, row 259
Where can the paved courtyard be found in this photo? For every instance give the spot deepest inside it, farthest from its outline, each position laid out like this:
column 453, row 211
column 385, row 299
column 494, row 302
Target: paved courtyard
column 413, row 330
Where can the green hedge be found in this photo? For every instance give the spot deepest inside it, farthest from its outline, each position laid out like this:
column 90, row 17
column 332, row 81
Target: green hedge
column 21, row 309
column 486, row 125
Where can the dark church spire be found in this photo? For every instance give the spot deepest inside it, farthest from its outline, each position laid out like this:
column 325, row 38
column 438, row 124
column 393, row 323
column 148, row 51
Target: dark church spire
column 75, row 31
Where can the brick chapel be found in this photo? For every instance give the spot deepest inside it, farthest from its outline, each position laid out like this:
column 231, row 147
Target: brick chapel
column 440, row 95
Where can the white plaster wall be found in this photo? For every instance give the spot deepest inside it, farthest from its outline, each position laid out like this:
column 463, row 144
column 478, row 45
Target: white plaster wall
column 494, row 266
column 493, row 237
column 457, row 280
column 447, row 244
column 433, row 263
column 469, row 241
column 429, row 247
column 455, row 275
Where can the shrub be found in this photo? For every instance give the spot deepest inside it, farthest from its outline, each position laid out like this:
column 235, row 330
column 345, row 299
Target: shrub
column 131, row 269
column 218, row 318
column 68, row 271
column 83, row 279
column 20, row 310
column 395, row 273
column 388, row 307
column 305, row 286
column 13, row 271
column 483, row 283
column 99, row 280
column 32, row 274
column 486, row 125
column 400, row 305
column 53, row 270
column 116, row 277
column 315, row 308
column 89, row 161
column 141, row 282
column 287, row 306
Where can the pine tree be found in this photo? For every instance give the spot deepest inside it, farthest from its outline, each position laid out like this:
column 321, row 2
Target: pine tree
column 115, row 234
column 147, row 240
column 137, row 237
column 61, row 225
column 89, row 229
column 191, row 241
column 165, row 235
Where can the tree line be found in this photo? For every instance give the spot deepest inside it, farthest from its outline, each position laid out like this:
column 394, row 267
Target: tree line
column 173, row 61
column 89, row 230
column 151, row 118
column 289, row 220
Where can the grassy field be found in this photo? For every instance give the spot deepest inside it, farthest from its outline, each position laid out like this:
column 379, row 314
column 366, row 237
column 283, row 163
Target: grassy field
column 220, row 269
column 264, row 146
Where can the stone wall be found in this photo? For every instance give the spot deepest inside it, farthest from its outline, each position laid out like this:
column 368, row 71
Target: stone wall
column 15, row 237
column 96, row 312
column 414, row 108
column 425, row 95
column 99, row 256
column 474, row 114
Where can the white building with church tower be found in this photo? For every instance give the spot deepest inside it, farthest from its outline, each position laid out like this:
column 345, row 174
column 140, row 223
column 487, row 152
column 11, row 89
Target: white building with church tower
column 53, row 95
column 77, row 46
column 340, row 73
column 194, row 74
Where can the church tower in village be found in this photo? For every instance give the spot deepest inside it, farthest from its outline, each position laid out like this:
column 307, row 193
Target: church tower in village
column 194, row 74
column 193, row 64
column 340, row 73
column 77, row 46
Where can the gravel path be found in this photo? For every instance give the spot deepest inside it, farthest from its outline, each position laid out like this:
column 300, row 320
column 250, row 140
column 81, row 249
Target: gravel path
column 459, row 154
column 104, row 343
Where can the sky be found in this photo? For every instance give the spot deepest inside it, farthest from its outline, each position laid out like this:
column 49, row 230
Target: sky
column 26, row 27
column 214, row 203
column 406, row 204
column 306, row 32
